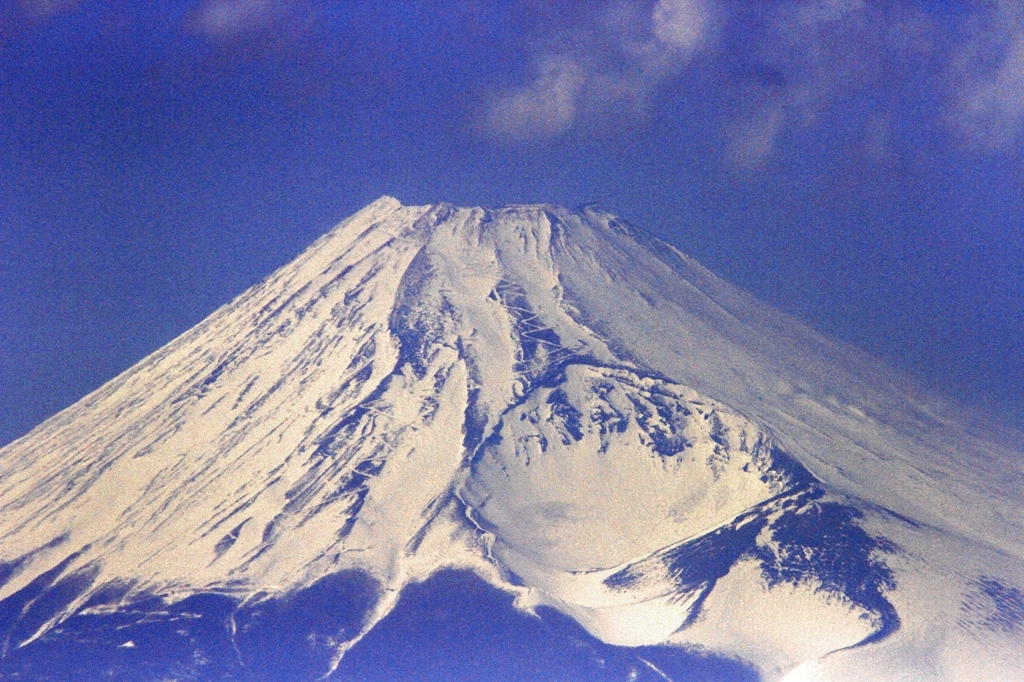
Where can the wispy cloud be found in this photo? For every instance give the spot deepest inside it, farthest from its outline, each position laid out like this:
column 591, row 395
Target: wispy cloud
column 546, row 107
column 752, row 138
column 785, row 65
column 21, row 15
column 39, row 11
column 229, row 18
column 615, row 60
column 988, row 70
column 810, row 53
column 680, row 24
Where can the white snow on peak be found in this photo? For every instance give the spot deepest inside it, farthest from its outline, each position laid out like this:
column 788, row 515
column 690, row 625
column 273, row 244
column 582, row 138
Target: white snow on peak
column 577, row 411
column 610, row 466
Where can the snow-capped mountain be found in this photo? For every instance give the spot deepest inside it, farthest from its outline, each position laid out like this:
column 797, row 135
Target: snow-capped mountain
column 572, row 410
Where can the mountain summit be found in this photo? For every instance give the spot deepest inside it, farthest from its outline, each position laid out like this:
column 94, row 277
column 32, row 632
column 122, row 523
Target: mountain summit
column 574, row 411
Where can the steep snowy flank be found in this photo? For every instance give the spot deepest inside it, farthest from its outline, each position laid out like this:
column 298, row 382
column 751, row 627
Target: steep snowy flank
column 554, row 399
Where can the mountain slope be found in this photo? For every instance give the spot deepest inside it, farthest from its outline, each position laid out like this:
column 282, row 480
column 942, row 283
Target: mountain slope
column 573, row 410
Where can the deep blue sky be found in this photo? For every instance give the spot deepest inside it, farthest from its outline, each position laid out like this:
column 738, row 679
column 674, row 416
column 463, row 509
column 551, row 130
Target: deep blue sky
column 858, row 164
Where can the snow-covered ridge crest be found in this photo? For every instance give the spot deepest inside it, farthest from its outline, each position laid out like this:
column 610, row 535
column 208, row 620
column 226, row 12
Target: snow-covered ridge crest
column 555, row 399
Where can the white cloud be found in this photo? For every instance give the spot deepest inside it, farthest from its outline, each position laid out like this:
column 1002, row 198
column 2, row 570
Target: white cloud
column 681, row 23
column 545, row 108
column 226, row 18
column 612, row 62
column 995, row 108
column 814, row 54
column 786, row 64
column 988, row 104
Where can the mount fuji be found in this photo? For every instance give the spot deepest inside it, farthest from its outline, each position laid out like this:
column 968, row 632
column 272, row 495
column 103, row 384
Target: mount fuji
column 525, row 443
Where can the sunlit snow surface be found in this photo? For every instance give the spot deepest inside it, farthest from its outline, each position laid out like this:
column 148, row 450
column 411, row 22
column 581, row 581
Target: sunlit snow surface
column 323, row 477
